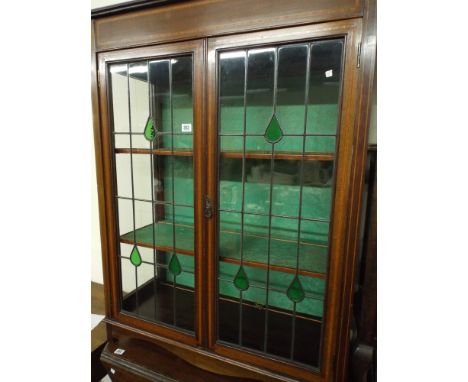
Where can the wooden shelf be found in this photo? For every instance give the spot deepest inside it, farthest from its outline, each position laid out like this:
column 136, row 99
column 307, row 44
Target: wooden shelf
column 163, row 234
column 312, row 255
column 256, row 264
column 178, row 152
column 280, row 155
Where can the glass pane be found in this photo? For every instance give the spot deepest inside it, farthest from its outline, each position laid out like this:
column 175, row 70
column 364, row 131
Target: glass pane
column 324, row 87
column 257, row 186
column 160, row 94
column 182, row 102
column 260, row 83
column 142, row 176
column 182, row 170
column 119, row 93
column 320, row 144
column 275, row 195
column 123, row 167
column 231, row 88
column 292, row 66
column 230, row 192
column 127, row 277
column 154, row 188
column 139, row 96
column 230, row 239
column 122, row 141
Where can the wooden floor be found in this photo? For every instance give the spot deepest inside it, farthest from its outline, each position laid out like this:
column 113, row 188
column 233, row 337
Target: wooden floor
column 98, row 334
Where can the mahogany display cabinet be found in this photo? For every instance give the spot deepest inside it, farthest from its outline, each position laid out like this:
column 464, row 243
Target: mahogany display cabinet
column 230, row 146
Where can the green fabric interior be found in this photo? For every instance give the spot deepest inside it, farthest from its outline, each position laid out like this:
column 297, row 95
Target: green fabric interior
column 283, row 248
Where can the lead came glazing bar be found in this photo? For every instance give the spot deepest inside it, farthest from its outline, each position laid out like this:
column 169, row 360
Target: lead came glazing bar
column 276, row 216
column 155, row 253
column 133, row 185
column 156, row 202
column 174, row 302
column 246, row 61
column 158, row 133
column 283, row 134
column 301, row 188
column 272, row 167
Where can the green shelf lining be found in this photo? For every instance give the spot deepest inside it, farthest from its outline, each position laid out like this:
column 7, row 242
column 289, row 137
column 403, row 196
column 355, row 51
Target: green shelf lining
column 163, row 233
column 312, row 256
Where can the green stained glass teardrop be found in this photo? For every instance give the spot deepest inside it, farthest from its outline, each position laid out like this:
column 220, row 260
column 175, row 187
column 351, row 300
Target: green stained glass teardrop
column 295, row 291
column 135, row 257
column 149, row 132
column 241, row 280
column 273, row 132
column 174, row 265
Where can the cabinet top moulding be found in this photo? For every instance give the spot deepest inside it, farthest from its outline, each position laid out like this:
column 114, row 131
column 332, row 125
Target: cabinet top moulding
column 153, row 22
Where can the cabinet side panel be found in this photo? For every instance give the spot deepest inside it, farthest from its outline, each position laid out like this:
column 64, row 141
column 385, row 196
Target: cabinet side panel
column 99, row 167
column 367, row 72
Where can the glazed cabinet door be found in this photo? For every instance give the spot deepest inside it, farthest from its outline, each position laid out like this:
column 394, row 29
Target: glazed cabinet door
column 151, row 101
column 280, row 114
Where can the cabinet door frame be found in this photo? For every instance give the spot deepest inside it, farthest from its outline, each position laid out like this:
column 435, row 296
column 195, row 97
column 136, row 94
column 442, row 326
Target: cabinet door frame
column 111, row 268
column 350, row 30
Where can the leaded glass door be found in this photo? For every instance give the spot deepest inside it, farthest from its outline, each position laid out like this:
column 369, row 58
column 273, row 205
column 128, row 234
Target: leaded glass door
column 154, row 97
column 279, row 120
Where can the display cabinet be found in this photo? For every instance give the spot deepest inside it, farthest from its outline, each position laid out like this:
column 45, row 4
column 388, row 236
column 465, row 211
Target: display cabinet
column 230, row 144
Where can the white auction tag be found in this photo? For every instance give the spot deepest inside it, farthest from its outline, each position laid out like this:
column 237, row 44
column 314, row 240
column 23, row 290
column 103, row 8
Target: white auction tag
column 112, row 371
column 186, row 127
column 119, row 351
